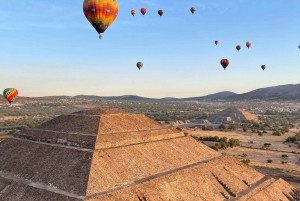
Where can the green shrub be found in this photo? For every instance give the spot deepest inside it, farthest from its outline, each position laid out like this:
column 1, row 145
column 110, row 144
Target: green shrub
column 246, row 162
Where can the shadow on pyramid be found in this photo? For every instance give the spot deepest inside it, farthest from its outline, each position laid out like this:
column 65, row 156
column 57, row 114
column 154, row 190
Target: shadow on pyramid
column 100, row 155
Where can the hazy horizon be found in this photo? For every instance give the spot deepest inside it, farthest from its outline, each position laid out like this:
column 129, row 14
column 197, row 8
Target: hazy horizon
column 149, row 96
column 49, row 48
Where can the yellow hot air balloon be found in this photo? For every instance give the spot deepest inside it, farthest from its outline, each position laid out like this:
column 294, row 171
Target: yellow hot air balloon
column 100, row 13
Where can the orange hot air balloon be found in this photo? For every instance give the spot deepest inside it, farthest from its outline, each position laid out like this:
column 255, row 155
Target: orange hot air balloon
column 224, row 63
column 143, row 11
column 216, row 42
column 238, row 47
column 139, row 65
column 161, row 12
column 193, row 10
column 100, row 13
column 263, row 67
column 248, row 44
column 133, row 12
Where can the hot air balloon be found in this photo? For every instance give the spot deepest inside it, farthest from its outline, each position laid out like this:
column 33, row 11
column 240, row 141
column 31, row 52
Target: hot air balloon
column 248, row 44
column 299, row 46
column 216, row 42
column 161, row 12
column 133, row 12
column 139, row 65
column 263, row 67
column 10, row 94
column 224, row 63
column 238, row 47
column 193, row 10
column 143, row 11
column 100, row 13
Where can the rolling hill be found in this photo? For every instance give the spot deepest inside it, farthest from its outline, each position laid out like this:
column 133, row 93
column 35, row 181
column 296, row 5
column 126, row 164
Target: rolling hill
column 281, row 92
column 288, row 92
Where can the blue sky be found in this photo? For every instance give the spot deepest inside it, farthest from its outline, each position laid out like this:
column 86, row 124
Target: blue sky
column 47, row 47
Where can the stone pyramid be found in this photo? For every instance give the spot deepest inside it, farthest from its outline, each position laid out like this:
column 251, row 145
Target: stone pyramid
column 232, row 115
column 100, row 155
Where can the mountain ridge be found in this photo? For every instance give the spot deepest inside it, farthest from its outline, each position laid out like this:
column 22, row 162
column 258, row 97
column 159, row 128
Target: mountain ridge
column 288, row 92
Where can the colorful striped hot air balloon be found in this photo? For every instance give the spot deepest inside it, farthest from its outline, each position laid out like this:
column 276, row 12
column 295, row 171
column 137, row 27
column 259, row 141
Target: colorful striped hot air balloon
column 100, row 13
column 10, row 94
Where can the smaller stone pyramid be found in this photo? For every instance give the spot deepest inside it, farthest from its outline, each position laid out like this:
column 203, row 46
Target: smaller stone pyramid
column 232, row 115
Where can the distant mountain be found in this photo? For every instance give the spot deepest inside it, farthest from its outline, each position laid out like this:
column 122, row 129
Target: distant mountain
column 275, row 93
column 289, row 92
column 214, row 96
column 125, row 97
column 219, row 95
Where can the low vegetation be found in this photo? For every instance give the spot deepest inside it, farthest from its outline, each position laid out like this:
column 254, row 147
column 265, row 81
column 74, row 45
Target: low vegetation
column 246, row 161
column 223, row 142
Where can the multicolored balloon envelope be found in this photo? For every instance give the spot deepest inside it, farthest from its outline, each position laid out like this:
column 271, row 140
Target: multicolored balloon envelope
column 100, row 13
column 10, row 94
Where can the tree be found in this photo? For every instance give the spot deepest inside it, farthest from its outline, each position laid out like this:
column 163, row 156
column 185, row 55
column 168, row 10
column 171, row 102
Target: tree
column 204, row 127
column 284, row 156
column 245, row 129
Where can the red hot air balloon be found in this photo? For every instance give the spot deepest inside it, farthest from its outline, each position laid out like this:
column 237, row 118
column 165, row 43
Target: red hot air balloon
column 143, row 11
column 224, row 63
column 216, row 42
column 133, row 12
column 238, row 47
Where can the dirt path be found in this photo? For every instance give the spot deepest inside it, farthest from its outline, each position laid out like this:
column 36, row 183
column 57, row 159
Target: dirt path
column 39, row 185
